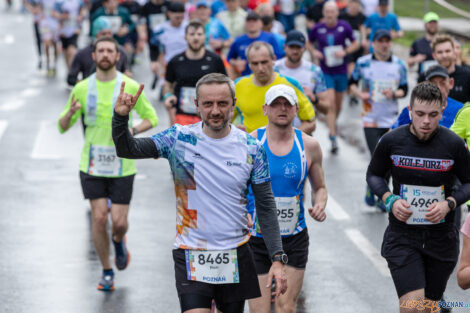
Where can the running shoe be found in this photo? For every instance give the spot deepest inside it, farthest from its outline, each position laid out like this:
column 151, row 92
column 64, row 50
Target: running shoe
column 122, row 255
column 107, row 282
column 369, row 198
column 334, row 145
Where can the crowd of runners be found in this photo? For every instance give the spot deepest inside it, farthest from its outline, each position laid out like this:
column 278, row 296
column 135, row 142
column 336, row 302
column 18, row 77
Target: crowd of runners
column 243, row 86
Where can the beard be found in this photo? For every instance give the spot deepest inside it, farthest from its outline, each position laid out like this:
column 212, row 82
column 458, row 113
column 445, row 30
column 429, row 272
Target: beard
column 217, row 127
column 294, row 60
column 196, row 48
column 105, row 65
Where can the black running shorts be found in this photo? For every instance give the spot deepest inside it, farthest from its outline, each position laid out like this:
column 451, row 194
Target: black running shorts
column 296, row 248
column 118, row 189
column 69, row 41
column 421, row 258
column 247, row 288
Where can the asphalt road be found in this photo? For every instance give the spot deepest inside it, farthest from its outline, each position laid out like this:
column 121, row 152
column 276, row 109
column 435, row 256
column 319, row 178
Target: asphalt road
column 48, row 263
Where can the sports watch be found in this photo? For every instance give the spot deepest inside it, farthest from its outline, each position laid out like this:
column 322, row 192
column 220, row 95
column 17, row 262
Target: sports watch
column 281, row 258
column 451, row 204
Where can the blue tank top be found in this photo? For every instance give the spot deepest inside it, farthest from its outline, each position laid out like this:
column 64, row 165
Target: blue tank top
column 288, row 174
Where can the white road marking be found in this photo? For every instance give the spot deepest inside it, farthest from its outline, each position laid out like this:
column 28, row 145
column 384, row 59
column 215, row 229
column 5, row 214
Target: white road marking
column 337, row 212
column 366, row 247
column 7, row 39
column 30, row 92
column 12, row 104
column 42, row 141
column 3, row 127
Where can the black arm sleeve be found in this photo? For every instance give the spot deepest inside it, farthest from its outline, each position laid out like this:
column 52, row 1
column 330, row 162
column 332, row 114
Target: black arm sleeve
column 404, row 88
column 462, row 192
column 267, row 217
column 378, row 168
column 74, row 70
column 126, row 145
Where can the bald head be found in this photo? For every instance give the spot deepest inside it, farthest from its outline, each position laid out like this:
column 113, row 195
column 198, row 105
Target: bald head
column 330, row 13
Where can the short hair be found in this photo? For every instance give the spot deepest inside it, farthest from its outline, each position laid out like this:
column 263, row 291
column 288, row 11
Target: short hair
column 105, row 39
column 193, row 24
column 441, row 39
column 427, row 92
column 257, row 45
column 215, row 78
column 355, row 1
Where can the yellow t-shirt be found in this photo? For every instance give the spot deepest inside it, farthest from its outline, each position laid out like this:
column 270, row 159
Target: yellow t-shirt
column 250, row 101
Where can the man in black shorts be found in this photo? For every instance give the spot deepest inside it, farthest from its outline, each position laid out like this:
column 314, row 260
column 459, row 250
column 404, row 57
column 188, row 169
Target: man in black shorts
column 182, row 73
column 421, row 243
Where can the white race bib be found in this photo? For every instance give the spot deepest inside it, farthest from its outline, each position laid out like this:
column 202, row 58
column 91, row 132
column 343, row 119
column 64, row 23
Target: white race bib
column 156, row 19
column 104, row 161
column 212, row 267
column 187, row 96
column 330, row 58
column 288, row 210
column 379, row 85
column 420, row 198
column 115, row 22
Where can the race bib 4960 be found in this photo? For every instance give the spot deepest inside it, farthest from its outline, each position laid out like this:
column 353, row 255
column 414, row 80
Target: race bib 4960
column 420, row 198
column 212, row 266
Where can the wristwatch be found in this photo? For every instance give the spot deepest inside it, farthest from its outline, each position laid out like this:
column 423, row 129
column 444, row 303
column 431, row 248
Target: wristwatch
column 281, row 258
column 451, row 204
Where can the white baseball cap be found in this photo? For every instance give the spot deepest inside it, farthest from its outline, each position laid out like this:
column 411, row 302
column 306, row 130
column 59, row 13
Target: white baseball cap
column 280, row 91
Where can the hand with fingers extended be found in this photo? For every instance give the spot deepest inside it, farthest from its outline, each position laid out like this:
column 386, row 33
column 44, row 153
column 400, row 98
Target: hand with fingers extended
column 74, row 106
column 125, row 101
column 278, row 273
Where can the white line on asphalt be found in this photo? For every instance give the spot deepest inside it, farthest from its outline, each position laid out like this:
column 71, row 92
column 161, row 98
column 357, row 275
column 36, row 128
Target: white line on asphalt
column 337, row 212
column 3, row 127
column 7, row 39
column 40, row 141
column 12, row 104
column 30, row 92
column 366, row 247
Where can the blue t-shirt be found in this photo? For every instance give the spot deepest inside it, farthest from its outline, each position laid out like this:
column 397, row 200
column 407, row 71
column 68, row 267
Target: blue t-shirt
column 448, row 116
column 216, row 30
column 238, row 47
column 218, row 6
column 376, row 22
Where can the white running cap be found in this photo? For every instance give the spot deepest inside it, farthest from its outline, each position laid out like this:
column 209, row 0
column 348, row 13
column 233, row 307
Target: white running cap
column 280, row 91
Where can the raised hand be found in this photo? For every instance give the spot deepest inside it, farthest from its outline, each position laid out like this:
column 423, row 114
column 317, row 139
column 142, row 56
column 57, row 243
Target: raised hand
column 74, row 105
column 125, row 101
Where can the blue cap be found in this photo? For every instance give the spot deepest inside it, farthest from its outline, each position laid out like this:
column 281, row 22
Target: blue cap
column 381, row 33
column 295, row 38
column 101, row 23
column 202, row 3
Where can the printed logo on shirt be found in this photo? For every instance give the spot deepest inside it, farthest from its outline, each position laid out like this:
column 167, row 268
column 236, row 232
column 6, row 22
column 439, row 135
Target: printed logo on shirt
column 290, row 169
column 322, row 31
column 204, row 67
column 341, row 29
column 433, row 165
column 230, row 163
column 197, row 156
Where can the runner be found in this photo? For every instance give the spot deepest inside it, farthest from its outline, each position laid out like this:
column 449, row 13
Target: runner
column 306, row 73
column 233, row 18
column 463, row 274
column 331, row 36
column 183, row 72
column 384, row 82
column 83, row 62
column 292, row 157
column 34, row 6
column 237, row 53
column 49, row 29
column 383, row 19
column 217, row 36
column 70, row 14
column 103, row 175
column 421, row 51
column 213, row 163
column 421, row 243
column 250, row 91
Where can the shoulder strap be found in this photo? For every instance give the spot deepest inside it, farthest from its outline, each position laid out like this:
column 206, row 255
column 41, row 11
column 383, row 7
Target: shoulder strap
column 303, row 158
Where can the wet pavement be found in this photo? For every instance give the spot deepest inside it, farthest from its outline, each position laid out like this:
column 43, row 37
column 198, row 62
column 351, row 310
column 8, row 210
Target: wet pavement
column 48, row 263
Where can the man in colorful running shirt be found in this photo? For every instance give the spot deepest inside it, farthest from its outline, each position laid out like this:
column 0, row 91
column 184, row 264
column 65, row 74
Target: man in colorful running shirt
column 384, row 81
column 421, row 243
column 292, row 156
column 330, row 37
column 250, row 90
column 213, row 163
column 103, row 175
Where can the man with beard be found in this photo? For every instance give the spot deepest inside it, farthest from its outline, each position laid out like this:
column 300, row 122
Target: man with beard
column 103, row 175
column 183, row 72
column 213, row 164
column 293, row 156
column 384, row 82
column 420, row 51
column 309, row 75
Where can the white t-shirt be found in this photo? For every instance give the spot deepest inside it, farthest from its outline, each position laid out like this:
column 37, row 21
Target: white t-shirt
column 211, row 179
column 171, row 39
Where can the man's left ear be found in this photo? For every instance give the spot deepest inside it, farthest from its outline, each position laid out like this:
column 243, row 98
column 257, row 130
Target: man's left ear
column 265, row 109
column 118, row 56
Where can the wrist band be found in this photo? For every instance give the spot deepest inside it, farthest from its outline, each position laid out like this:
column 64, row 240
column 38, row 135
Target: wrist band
column 167, row 95
column 390, row 201
column 134, row 131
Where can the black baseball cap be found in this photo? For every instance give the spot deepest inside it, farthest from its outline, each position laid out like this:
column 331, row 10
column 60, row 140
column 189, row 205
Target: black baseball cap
column 381, row 33
column 177, row 7
column 295, row 38
column 252, row 16
column 436, row 70
column 383, row 2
